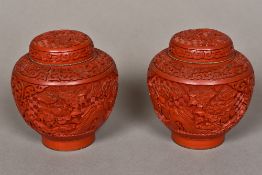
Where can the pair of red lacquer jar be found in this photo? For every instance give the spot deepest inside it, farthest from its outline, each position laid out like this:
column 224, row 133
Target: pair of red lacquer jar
column 200, row 87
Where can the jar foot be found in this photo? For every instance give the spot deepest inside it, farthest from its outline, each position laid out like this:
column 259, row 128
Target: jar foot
column 68, row 145
column 193, row 143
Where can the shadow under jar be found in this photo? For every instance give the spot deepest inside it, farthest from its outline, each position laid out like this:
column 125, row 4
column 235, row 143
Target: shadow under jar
column 65, row 88
column 200, row 87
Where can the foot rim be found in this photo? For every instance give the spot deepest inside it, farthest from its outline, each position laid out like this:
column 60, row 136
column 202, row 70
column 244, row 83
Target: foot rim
column 200, row 144
column 68, row 145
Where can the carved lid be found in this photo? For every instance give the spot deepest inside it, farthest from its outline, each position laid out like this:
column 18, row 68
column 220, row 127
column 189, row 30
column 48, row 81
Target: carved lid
column 201, row 46
column 201, row 57
column 61, row 47
column 63, row 57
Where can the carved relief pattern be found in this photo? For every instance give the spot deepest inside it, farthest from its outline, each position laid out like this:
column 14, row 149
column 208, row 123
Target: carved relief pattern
column 168, row 65
column 197, row 54
column 41, row 47
column 201, row 38
column 196, row 44
column 99, row 64
column 61, row 57
column 63, row 111
column 198, row 109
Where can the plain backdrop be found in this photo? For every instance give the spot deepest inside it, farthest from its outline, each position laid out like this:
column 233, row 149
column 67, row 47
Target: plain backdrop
column 133, row 141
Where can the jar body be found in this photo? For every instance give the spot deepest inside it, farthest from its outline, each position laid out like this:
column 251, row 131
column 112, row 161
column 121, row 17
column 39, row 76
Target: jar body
column 200, row 103
column 66, row 104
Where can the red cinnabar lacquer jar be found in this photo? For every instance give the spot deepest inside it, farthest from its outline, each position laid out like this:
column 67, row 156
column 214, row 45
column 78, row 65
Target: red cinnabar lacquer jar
column 65, row 88
column 200, row 87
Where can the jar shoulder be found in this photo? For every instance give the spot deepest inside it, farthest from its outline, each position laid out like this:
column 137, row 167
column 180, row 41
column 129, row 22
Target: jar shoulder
column 99, row 66
column 234, row 69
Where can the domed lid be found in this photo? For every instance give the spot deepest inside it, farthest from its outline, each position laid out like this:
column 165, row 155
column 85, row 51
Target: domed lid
column 201, row 57
column 63, row 57
column 201, row 46
column 61, row 47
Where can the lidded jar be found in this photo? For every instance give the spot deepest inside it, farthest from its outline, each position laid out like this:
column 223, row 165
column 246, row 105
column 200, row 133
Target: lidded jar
column 65, row 88
column 200, row 87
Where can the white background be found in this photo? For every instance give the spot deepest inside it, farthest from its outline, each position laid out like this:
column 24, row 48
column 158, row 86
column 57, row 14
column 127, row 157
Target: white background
column 133, row 141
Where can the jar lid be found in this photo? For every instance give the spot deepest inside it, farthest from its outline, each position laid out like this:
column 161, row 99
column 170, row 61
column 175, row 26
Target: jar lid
column 61, row 47
column 201, row 57
column 201, row 46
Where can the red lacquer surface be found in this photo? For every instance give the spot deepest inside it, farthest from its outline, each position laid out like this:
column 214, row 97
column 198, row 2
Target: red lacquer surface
column 65, row 88
column 200, row 87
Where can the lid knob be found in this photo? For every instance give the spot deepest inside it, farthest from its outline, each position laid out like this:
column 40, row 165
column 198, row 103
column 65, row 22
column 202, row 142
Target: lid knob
column 60, row 47
column 201, row 46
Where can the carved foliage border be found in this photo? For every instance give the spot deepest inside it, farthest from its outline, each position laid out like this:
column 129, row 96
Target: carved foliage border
column 50, row 73
column 168, row 65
